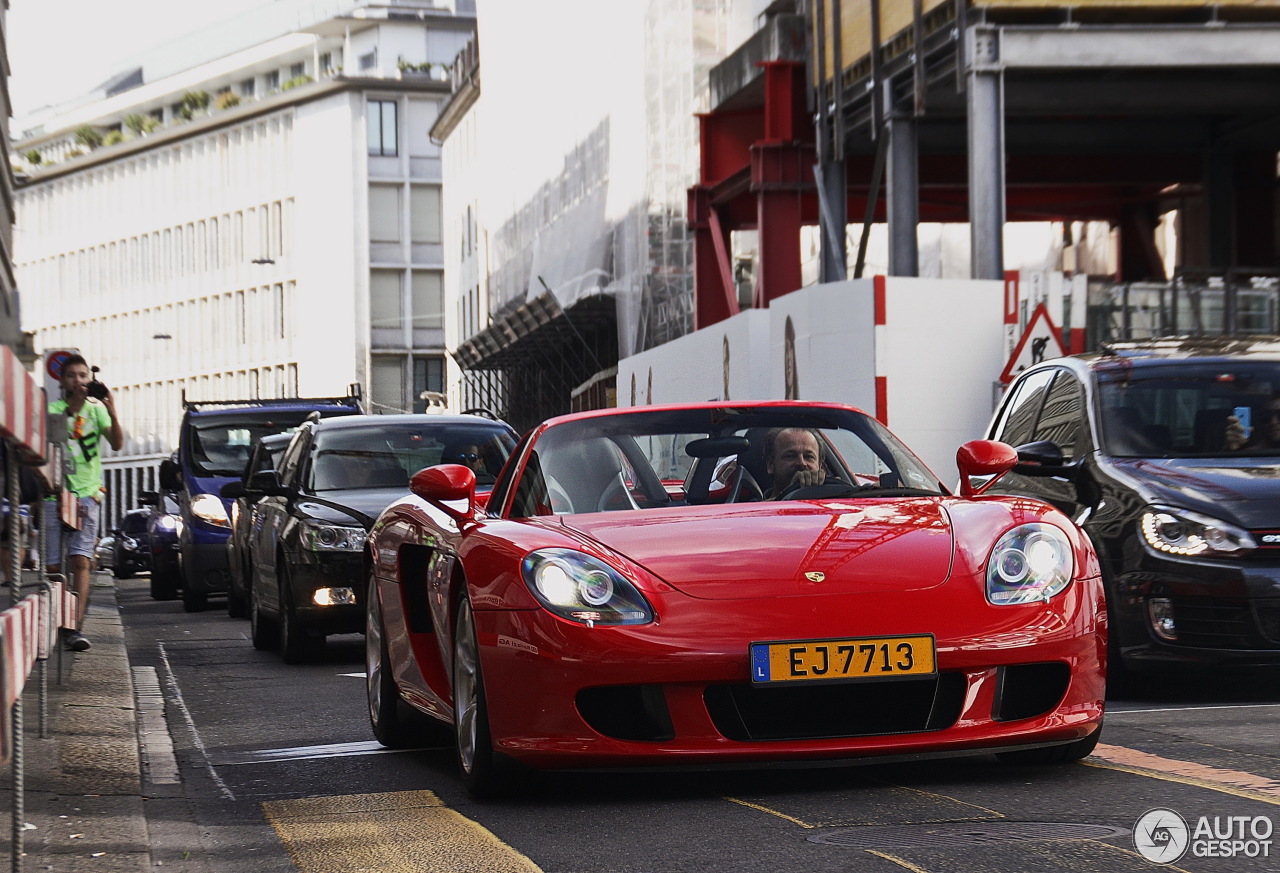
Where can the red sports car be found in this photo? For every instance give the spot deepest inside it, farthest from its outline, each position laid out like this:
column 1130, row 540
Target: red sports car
column 732, row 583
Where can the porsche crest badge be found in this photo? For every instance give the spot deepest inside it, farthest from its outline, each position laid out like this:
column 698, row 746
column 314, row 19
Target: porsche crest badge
column 815, row 575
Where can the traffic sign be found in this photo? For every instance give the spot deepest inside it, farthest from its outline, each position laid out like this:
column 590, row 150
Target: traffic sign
column 1040, row 342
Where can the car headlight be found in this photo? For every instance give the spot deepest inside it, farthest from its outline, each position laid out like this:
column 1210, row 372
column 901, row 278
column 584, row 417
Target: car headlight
column 167, row 522
column 209, row 509
column 129, row 542
column 1187, row 533
column 1029, row 563
column 322, row 537
column 578, row 587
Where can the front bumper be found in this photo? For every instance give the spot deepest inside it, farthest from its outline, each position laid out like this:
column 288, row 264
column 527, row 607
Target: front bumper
column 204, row 567
column 678, row 691
column 1224, row 612
column 312, row 573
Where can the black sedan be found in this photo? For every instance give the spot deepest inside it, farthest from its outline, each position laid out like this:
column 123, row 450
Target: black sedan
column 1167, row 453
column 307, row 533
column 131, row 550
column 264, row 455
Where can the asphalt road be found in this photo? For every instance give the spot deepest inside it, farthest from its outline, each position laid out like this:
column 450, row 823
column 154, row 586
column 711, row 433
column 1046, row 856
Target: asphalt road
column 279, row 772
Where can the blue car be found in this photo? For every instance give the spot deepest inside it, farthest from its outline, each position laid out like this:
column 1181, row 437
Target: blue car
column 213, row 447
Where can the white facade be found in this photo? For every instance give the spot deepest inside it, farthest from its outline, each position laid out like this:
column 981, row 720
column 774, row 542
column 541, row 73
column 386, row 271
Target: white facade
column 289, row 245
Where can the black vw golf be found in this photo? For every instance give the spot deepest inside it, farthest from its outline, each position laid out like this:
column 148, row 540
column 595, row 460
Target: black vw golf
column 1167, row 453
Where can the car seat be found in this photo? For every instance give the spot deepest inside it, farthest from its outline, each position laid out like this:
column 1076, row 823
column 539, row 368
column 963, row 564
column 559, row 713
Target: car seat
column 1211, row 429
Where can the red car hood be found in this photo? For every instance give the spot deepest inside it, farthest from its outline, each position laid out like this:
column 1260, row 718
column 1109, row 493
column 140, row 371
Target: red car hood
column 770, row 550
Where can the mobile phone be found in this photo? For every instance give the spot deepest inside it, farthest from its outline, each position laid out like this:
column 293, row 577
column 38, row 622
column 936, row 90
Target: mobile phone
column 1244, row 415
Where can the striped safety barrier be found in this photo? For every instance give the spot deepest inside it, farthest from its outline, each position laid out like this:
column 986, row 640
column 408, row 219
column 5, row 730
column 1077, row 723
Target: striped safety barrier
column 28, row 633
column 22, row 407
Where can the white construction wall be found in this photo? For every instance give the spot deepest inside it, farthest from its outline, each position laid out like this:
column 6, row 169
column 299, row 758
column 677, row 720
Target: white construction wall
column 921, row 355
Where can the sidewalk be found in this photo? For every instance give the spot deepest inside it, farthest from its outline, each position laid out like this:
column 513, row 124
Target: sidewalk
column 84, row 789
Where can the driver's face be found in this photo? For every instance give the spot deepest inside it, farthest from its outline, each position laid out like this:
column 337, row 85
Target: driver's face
column 794, row 450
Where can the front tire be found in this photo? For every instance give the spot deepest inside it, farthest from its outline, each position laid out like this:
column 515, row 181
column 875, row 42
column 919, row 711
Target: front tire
column 484, row 774
column 384, row 697
column 194, row 601
column 262, row 629
column 164, row 585
column 296, row 645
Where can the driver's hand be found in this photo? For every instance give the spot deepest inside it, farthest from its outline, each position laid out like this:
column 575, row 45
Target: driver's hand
column 1234, row 436
column 807, row 478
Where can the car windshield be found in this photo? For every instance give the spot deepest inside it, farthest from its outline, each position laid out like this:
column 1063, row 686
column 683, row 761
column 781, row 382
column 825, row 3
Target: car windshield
column 385, row 456
column 652, row 458
column 1189, row 409
column 220, row 445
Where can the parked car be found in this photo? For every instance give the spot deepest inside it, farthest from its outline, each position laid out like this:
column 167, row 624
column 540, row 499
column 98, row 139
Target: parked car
column 213, row 446
column 164, row 521
column 104, row 553
column 265, row 455
column 1132, row 442
column 626, row 598
column 131, row 547
column 308, row 531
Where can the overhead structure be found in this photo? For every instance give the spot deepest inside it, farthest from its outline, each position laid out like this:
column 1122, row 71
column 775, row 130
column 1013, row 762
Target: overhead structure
column 990, row 111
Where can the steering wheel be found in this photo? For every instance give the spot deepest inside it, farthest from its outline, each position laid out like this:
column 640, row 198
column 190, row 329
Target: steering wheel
column 831, row 488
column 743, row 479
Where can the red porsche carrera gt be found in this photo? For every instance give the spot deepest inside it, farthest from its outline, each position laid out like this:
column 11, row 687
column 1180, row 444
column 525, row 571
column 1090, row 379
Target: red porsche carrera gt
column 734, row 583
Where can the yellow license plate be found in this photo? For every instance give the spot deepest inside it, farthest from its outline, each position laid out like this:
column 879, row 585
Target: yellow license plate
column 832, row 660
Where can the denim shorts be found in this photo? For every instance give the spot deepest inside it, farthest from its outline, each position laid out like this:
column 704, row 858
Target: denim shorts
column 79, row 542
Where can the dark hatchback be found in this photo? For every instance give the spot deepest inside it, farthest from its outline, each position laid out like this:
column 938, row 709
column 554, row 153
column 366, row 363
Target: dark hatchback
column 1140, row 445
column 264, row 455
column 163, row 523
column 336, row 475
column 131, row 551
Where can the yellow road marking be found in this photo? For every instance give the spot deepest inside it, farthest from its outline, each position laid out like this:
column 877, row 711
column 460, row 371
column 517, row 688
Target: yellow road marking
column 750, row 805
column 901, row 862
column 1234, row 782
column 398, row 832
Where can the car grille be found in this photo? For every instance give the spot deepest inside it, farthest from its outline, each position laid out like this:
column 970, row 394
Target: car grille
column 1203, row 622
column 747, row 713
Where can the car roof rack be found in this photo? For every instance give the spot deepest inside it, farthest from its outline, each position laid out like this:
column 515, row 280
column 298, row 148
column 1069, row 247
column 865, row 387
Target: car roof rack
column 267, row 402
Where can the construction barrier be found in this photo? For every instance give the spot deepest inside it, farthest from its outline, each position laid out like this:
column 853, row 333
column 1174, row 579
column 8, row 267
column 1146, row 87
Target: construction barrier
column 28, row 633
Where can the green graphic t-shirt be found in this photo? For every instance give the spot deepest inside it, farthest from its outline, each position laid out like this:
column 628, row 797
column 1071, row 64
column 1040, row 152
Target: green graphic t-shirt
column 85, row 434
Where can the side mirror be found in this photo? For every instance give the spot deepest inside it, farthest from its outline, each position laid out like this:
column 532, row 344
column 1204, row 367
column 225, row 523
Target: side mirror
column 148, row 498
column 232, row 490
column 445, row 484
column 267, row 482
column 170, row 475
column 1044, row 458
column 983, row 458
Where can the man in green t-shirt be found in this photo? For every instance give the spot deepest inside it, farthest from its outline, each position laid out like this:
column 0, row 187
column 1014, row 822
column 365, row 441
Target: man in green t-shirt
column 88, row 422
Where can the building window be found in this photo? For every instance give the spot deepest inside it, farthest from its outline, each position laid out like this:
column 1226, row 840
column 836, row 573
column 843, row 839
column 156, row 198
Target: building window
column 369, row 61
column 428, row 299
column 271, row 81
column 424, row 213
column 384, row 213
column 326, row 63
column 386, row 384
column 428, row 375
column 296, row 70
column 381, row 115
column 246, row 88
column 386, row 300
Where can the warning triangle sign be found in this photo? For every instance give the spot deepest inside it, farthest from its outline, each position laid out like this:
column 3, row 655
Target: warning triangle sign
column 1040, row 342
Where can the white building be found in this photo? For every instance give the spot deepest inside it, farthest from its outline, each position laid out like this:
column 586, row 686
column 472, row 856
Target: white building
column 283, row 241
